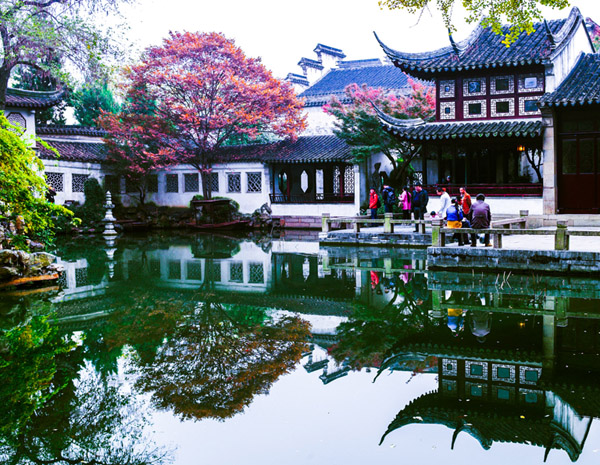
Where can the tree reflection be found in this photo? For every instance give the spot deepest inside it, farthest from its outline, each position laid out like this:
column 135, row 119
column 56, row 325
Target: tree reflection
column 58, row 409
column 218, row 359
column 365, row 339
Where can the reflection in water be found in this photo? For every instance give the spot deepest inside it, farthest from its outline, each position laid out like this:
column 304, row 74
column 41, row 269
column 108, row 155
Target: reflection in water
column 205, row 324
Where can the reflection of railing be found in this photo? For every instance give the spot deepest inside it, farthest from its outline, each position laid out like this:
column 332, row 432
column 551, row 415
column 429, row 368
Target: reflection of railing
column 493, row 190
column 312, row 198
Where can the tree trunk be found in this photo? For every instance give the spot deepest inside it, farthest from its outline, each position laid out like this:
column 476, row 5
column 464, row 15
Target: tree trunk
column 4, row 77
column 206, row 187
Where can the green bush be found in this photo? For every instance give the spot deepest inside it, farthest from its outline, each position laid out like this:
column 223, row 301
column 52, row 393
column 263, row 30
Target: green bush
column 22, row 189
column 92, row 211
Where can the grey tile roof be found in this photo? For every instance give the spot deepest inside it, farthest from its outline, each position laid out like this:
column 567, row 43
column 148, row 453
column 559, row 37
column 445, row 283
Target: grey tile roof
column 74, row 151
column 470, row 130
column 70, row 130
column 320, row 48
column 19, row 98
column 336, row 80
column 484, row 49
column 580, row 87
column 306, row 149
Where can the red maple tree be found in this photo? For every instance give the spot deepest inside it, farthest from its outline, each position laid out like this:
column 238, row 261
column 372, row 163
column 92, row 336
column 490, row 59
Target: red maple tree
column 205, row 93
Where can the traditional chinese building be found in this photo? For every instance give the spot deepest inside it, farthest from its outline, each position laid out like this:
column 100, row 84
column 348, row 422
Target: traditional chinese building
column 501, row 124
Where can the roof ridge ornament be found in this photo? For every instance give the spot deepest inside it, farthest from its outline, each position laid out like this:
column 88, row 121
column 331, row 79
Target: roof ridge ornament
column 550, row 35
column 458, row 50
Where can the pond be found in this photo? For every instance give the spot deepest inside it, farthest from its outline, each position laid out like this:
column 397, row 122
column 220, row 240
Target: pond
column 193, row 349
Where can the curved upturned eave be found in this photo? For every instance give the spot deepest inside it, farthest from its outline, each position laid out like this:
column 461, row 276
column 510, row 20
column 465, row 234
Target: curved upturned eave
column 411, row 63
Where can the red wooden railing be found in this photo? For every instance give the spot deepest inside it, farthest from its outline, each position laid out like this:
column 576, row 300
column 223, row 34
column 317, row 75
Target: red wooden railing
column 312, row 198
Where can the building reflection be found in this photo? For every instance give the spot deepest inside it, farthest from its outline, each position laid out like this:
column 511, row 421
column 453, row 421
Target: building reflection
column 517, row 358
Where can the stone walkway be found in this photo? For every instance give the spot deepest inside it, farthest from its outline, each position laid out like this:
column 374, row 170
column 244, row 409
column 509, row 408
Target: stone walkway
column 577, row 243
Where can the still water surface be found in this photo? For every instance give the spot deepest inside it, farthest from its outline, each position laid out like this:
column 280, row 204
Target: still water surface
column 216, row 350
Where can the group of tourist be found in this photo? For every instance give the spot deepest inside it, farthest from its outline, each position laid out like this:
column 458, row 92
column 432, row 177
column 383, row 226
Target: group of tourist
column 459, row 212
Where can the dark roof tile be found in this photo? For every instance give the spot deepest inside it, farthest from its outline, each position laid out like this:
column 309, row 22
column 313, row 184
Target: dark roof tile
column 70, row 130
column 19, row 98
column 74, row 151
column 306, row 149
column 484, row 49
column 580, row 87
column 467, row 130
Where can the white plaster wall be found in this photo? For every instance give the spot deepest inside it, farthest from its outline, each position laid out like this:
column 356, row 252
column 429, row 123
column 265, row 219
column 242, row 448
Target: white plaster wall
column 339, row 209
column 318, row 122
column 68, row 168
column 249, row 201
column 564, row 61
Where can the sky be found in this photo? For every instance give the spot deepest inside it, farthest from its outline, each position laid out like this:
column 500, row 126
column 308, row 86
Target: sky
column 282, row 32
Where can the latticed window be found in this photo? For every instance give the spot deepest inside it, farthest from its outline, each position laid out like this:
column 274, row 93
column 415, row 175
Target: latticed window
column 256, row 273
column 234, row 182
column 336, row 180
column 174, row 269
column 349, row 179
column 78, row 181
column 130, row 186
column 17, row 119
column 152, row 183
column 214, row 182
column 56, row 181
column 236, row 272
column 190, row 182
column 172, row 183
column 81, row 277
column 155, row 268
column 62, row 281
column 216, row 272
column 254, row 182
column 194, row 270
column 111, row 183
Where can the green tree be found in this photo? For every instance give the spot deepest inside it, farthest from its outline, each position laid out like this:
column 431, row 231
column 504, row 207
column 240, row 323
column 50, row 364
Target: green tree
column 358, row 124
column 520, row 14
column 22, row 189
column 91, row 100
column 34, row 33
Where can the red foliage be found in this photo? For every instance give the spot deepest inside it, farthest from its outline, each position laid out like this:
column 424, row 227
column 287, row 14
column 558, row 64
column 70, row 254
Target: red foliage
column 205, row 92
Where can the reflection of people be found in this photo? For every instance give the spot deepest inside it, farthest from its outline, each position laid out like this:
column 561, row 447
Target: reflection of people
column 481, row 324
column 374, row 279
column 455, row 320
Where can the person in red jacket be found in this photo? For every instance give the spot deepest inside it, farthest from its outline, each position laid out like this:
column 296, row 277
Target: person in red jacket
column 373, row 203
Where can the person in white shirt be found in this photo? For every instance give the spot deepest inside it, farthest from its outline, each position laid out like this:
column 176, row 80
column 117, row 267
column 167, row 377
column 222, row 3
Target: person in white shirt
column 445, row 199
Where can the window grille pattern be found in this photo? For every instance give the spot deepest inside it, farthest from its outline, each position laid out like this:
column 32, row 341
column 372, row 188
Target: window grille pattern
column 81, row 277
column 194, row 270
column 190, row 182
column 172, row 183
column 56, row 181
column 234, row 182
column 17, row 119
column 174, row 269
column 236, row 272
column 130, row 186
column 111, row 183
column 152, row 183
column 216, row 272
column 62, row 280
column 155, row 268
column 214, row 182
column 349, row 179
column 447, row 110
column 336, row 180
column 256, row 273
column 77, row 182
column 254, row 182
